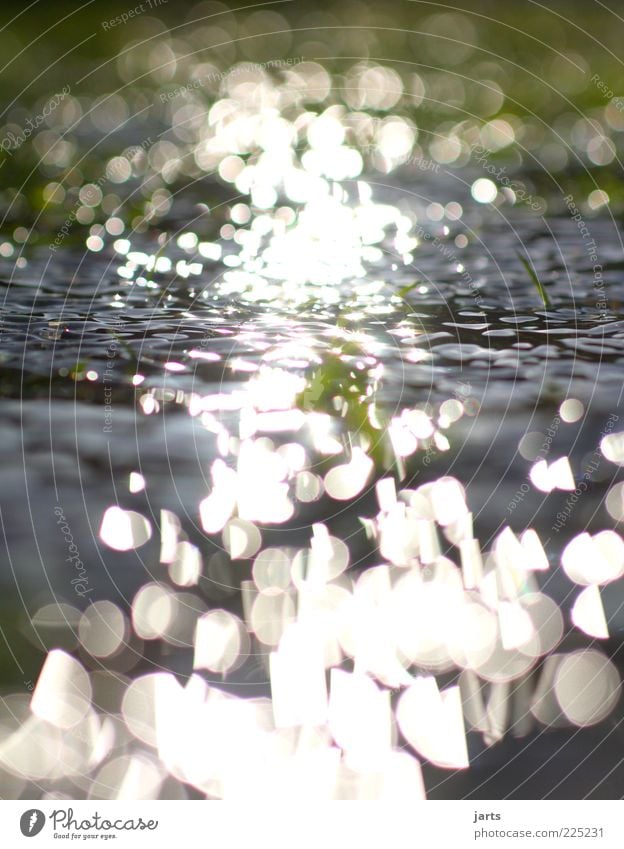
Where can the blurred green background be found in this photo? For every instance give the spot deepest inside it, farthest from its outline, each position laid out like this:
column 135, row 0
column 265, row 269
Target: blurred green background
column 537, row 85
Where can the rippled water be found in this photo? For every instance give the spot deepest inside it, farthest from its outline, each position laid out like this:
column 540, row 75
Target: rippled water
column 308, row 485
column 175, row 375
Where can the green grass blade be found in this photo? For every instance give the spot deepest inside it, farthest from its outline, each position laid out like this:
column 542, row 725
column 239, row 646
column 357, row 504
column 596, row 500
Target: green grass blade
column 535, row 280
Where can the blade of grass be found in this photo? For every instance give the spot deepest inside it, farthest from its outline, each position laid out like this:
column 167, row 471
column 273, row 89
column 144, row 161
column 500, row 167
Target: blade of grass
column 405, row 290
column 535, row 280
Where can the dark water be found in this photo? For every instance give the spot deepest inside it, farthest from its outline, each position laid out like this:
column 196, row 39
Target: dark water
column 277, row 414
column 74, row 428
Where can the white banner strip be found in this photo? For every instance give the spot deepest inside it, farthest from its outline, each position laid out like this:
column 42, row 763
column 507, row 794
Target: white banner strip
column 187, row 824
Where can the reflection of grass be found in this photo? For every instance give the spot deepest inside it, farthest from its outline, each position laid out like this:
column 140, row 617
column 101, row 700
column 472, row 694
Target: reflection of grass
column 343, row 389
column 535, row 280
